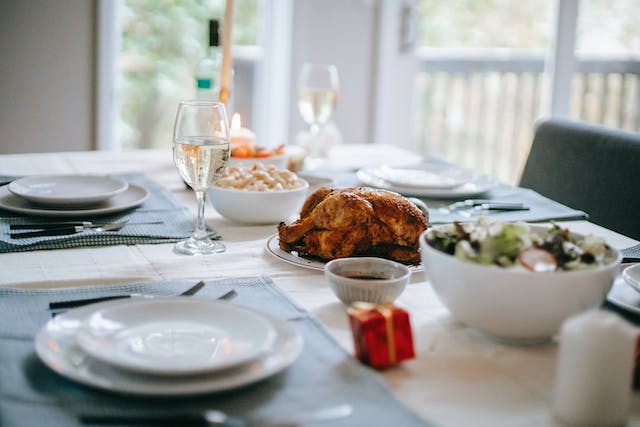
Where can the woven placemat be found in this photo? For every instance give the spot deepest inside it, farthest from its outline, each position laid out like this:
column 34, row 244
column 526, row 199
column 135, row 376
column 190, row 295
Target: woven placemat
column 323, row 375
column 160, row 219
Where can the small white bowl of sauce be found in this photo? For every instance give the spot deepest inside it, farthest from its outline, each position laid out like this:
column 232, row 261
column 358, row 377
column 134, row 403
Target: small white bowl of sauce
column 366, row 279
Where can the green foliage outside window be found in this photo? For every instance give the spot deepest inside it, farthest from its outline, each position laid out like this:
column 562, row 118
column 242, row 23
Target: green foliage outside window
column 162, row 41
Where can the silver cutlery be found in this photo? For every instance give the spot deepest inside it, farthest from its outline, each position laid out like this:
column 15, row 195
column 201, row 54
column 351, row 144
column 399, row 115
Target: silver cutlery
column 55, row 305
column 473, row 203
column 69, row 229
column 504, row 207
column 59, row 224
column 216, row 418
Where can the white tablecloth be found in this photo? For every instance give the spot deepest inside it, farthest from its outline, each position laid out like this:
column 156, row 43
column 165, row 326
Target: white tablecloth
column 459, row 378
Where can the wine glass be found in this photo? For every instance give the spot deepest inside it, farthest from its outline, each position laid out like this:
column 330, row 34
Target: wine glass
column 201, row 153
column 317, row 94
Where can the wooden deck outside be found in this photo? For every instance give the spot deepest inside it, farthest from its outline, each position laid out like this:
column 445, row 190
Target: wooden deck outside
column 480, row 111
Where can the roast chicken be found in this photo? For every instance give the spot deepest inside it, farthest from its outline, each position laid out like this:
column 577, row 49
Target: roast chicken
column 362, row 221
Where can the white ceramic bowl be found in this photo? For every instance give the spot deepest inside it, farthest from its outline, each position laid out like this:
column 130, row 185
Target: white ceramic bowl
column 258, row 207
column 514, row 305
column 367, row 279
column 279, row 161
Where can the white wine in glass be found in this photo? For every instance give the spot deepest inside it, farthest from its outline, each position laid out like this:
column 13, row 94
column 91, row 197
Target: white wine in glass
column 201, row 153
column 317, row 94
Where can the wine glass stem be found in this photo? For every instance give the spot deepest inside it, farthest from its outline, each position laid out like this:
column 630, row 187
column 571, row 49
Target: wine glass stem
column 200, row 232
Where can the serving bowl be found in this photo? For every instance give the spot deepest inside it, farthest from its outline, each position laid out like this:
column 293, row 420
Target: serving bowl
column 258, row 207
column 514, row 304
column 366, row 279
column 278, row 160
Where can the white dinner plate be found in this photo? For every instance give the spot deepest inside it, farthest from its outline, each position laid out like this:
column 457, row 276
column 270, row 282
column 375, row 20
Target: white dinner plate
column 67, row 190
column 624, row 295
column 632, row 276
column 175, row 336
column 273, row 247
column 130, row 198
column 56, row 346
column 470, row 183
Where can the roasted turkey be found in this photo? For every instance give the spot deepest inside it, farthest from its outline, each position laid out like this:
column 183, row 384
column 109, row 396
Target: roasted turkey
column 338, row 223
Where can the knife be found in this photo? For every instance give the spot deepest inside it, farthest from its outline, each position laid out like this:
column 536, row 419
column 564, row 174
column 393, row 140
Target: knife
column 55, row 305
column 59, row 224
column 68, row 229
column 469, row 203
column 213, row 417
column 493, row 207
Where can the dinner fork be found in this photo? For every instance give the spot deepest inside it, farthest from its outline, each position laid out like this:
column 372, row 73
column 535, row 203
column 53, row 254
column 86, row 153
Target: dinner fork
column 55, row 305
column 72, row 229
column 214, row 417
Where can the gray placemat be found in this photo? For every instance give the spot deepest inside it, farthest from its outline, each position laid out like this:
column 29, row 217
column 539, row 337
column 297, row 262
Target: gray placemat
column 632, row 252
column 160, row 219
column 540, row 208
column 323, row 375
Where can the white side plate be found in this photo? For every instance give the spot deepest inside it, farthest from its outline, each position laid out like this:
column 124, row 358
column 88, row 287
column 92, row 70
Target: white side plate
column 175, row 336
column 67, row 190
column 435, row 178
column 130, row 198
column 55, row 345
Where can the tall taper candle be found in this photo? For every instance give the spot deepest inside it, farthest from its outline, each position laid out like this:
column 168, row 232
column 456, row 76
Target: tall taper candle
column 227, row 62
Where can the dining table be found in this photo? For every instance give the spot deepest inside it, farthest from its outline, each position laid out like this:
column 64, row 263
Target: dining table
column 459, row 377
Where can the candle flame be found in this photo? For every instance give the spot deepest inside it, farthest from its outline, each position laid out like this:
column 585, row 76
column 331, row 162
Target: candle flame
column 235, row 122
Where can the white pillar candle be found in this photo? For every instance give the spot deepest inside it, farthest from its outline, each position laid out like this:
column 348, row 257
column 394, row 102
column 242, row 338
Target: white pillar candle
column 594, row 370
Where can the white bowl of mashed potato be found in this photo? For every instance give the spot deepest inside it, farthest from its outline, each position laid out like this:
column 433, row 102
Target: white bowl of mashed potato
column 258, row 194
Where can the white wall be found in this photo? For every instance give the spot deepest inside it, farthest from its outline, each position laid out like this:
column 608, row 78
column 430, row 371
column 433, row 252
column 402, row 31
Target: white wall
column 339, row 32
column 46, row 75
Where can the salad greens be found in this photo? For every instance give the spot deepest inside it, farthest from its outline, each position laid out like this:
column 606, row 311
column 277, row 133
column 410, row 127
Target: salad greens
column 509, row 244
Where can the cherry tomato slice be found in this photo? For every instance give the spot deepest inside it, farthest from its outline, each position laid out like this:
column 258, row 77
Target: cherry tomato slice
column 538, row 260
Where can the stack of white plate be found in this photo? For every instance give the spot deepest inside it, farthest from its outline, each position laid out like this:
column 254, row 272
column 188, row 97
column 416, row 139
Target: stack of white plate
column 428, row 180
column 70, row 195
column 167, row 346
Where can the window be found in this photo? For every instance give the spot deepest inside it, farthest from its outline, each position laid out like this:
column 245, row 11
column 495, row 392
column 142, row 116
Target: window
column 482, row 78
column 161, row 44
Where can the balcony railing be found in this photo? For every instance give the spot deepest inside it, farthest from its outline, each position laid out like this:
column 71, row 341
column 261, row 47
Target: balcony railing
column 480, row 110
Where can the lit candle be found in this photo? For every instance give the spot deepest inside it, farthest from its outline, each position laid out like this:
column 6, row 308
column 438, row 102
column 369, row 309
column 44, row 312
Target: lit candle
column 242, row 139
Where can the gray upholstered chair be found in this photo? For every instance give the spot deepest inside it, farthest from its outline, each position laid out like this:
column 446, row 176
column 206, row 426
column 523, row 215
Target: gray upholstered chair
column 588, row 167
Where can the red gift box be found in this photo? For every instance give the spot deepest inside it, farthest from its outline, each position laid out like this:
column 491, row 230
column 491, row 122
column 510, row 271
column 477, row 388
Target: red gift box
column 381, row 334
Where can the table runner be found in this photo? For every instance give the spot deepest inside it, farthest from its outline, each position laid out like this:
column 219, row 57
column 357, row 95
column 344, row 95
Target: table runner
column 175, row 223
column 323, row 375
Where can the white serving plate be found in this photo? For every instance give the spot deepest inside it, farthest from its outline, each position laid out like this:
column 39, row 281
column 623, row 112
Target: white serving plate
column 273, row 247
column 67, row 190
column 624, row 295
column 468, row 183
column 632, row 276
column 133, row 196
column 56, row 346
column 175, row 336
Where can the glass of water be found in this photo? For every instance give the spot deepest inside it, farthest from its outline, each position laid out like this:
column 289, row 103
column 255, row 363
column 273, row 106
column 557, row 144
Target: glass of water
column 200, row 153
